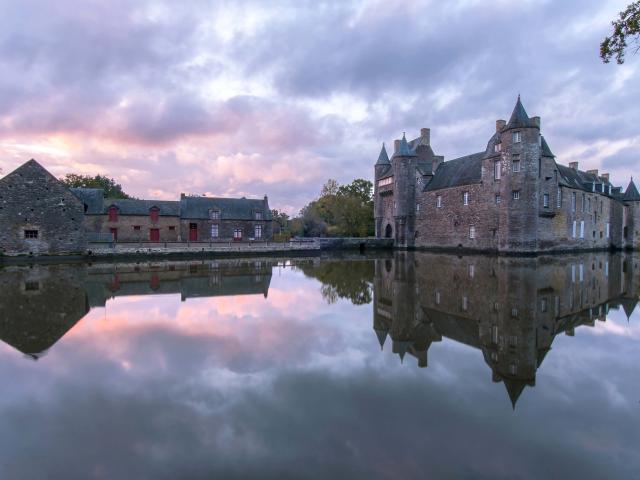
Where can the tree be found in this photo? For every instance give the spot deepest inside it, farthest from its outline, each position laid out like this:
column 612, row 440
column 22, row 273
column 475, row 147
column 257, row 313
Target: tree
column 329, row 188
column 109, row 185
column 280, row 221
column 626, row 27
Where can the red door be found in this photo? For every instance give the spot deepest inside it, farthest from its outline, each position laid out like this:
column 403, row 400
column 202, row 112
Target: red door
column 114, row 232
column 193, row 232
column 154, row 234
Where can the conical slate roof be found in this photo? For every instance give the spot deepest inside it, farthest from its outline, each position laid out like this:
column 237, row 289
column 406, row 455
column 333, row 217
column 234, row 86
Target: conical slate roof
column 405, row 150
column 632, row 193
column 383, row 158
column 628, row 305
column 382, row 336
column 546, row 151
column 514, row 389
column 519, row 117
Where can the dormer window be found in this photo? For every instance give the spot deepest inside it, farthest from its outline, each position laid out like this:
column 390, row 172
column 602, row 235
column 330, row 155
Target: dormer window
column 497, row 147
column 517, row 137
column 113, row 214
column 154, row 214
column 214, row 214
column 258, row 215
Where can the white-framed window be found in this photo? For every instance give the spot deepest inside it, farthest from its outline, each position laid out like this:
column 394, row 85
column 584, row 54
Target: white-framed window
column 214, row 214
column 472, row 271
column 589, row 205
column 582, row 229
column 496, row 170
column 237, row 233
column 439, row 201
column 258, row 215
column 515, row 163
column 517, row 137
column 437, row 297
column 573, row 201
column 472, row 231
column 516, row 194
column 257, row 231
column 559, row 198
column 497, row 147
column 498, row 199
column 607, row 228
column 385, row 181
column 573, row 231
column 545, row 200
column 465, row 198
column 465, row 303
column 214, row 231
column 417, row 207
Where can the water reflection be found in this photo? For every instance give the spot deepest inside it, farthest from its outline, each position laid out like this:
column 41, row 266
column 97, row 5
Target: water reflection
column 510, row 308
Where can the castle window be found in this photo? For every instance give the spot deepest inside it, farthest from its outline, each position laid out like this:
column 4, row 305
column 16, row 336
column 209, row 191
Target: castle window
column 385, row 181
column 496, row 170
column 559, row 197
column 214, row 214
column 172, row 228
column 582, row 229
column 113, row 214
column 498, row 199
column 31, row 234
column 516, row 194
column 214, row 231
column 545, row 200
column 437, row 297
column 583, row 203
column 258, row 215
column 607, row 230
column 589, row 205
column 465, row 303
column 417, row 207
column 472, row 271
column 257, row 231
column 497, row 147
column 573, row 231
column 517, row 137
column 515, row 163
column 154, row 213
column 439, row 201
column 136, row 228
column 465, row 198
column 472, row 232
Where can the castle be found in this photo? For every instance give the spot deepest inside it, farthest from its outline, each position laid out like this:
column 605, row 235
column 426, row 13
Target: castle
column 511, row 197
column 41, row 215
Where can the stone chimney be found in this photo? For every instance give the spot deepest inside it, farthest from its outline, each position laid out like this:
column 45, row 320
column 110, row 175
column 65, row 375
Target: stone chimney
column 536, row 121
column 425, row 133
column 396, row 146
column 573, row 165
column 593, row 172
column 500, row 124
column 605, row 177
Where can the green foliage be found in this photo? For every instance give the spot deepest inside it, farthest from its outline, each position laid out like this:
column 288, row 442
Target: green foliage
column 341, row 210
column 109, row 185
column 626, row 27
column 281, row 222
column 344, row 279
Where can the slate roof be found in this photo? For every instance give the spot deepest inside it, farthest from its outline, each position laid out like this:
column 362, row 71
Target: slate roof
column 519, row 117
column 383, row 158
column 546, row 151
column 465, row 170
column 130, row 206
column 579, row 179
column 91, row 197
column 230, row 208
column 632, row 193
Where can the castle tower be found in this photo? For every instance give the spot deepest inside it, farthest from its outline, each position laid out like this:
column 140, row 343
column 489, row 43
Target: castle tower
column 404, row 163
column 519, row 183
column 382, row 167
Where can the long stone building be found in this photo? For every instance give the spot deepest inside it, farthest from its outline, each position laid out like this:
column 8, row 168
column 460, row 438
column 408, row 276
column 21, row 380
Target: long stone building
column 513, row 196
column 39, row 214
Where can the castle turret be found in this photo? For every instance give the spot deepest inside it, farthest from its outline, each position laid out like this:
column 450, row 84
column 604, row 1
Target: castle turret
column 404, row 163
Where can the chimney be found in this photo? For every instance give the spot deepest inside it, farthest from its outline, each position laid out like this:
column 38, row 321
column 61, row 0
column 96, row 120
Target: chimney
column 425, row 133
column 573, row 165
column 536, row 121
column 182, row 195
column 605, row 177
column 500, row 124
column 593, row 172
column 396, row 146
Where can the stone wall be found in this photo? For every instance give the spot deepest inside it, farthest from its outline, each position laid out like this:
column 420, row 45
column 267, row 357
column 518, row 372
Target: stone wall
column 31, row 199
column 126, row 223
column 226, row 229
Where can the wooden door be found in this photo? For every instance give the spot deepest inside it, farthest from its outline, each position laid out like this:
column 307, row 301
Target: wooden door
column 154, row 234
column 193, row 232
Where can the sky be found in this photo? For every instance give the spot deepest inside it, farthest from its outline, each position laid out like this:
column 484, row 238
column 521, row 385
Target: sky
column 247, row 98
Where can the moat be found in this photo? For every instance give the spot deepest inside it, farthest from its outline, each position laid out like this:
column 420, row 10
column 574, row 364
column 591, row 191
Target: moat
column 393, row 365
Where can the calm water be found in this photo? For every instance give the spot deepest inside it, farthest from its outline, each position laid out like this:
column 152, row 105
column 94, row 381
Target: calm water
column 399, row 366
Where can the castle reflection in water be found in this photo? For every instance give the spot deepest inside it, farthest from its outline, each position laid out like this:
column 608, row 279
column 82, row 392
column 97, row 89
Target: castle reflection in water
column 509, row 308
